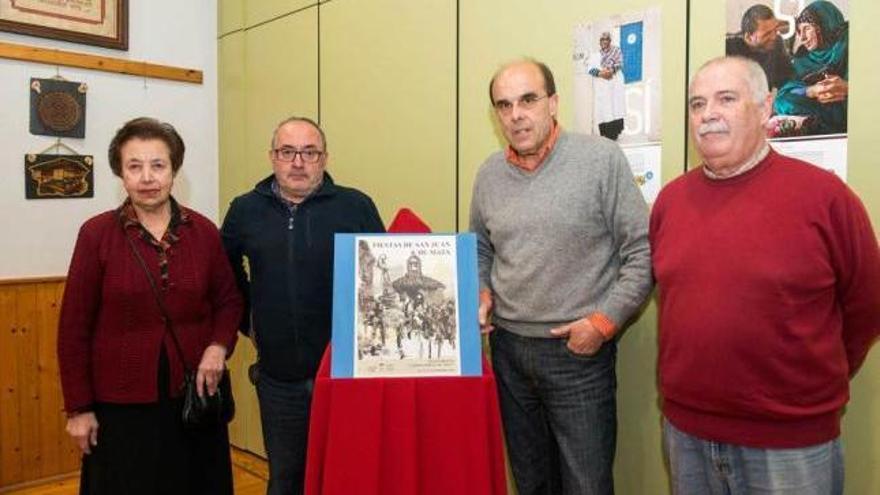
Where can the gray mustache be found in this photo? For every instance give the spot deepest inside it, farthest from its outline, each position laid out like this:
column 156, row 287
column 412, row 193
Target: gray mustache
column 712, row 127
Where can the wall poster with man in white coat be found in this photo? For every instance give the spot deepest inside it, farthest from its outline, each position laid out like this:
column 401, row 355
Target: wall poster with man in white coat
column 617, row 68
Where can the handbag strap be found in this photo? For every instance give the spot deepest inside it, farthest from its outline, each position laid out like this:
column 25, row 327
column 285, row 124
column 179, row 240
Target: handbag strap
column 157, row 296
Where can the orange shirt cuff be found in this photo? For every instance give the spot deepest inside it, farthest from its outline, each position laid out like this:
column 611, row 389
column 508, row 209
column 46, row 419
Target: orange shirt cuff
column 603, row 324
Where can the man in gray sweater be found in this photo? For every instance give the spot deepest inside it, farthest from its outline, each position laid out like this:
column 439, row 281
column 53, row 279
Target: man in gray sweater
column 564, row 263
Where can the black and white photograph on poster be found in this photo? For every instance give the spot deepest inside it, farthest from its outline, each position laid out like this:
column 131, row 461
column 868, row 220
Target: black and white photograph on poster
column 406, row 317
column 617, row 68
column 803, row 47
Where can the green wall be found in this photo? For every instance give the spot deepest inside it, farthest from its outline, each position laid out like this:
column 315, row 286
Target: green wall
column 861, row 424
column 388, row 102
column 400, row 87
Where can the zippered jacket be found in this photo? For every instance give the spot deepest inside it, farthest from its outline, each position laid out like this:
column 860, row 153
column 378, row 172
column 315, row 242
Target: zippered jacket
column 288, row 284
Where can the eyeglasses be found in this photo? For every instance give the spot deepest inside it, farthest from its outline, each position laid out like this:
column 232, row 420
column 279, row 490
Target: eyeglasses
column 289, row 154
column 527, row 101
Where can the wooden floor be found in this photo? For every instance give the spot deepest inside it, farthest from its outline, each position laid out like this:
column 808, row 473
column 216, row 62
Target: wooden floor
column 249, row 474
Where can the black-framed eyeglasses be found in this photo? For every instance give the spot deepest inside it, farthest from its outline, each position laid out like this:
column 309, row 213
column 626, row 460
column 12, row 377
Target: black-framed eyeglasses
column 289, row 154
column 527, row 101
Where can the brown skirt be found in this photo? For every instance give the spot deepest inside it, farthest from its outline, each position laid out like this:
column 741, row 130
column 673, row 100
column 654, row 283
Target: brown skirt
column 145, row 449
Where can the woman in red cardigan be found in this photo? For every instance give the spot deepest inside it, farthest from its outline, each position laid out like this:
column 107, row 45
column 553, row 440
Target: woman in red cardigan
column 121, row 372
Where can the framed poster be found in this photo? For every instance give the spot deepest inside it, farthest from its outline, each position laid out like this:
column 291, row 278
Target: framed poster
column 91, row 22
column 405, row 306
column 617, row 67
column 803, row 48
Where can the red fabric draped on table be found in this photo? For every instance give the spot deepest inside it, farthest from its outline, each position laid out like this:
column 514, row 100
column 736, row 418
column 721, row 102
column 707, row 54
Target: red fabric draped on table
column 390, row 436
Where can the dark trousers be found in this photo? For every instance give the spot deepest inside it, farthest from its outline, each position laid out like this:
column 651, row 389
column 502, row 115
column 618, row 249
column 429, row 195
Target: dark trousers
column 611, row 129
column 284, row 411
column 559, row 413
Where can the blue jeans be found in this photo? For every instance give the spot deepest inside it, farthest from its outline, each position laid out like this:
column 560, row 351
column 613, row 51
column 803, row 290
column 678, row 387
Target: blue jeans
column 284, row 412
column 559, row 414
column 703, row 467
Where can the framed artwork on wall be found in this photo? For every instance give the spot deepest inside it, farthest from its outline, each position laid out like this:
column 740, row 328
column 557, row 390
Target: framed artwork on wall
column 91, row 22
column 59, row 176
column 58, row 108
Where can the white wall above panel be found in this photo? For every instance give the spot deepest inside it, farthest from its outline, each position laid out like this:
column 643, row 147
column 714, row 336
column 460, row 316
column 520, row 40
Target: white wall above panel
column 38, row 235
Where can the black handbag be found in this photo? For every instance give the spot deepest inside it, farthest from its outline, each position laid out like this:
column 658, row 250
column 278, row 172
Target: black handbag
column 207, row 410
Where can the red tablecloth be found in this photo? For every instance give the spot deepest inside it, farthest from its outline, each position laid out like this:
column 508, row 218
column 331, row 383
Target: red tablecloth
column 405, row 436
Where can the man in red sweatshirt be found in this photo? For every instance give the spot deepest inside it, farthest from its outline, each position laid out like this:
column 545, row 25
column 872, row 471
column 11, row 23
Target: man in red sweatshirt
column 769, row 287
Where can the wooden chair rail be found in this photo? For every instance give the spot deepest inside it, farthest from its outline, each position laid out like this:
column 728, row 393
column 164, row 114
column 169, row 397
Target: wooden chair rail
column 53, row 56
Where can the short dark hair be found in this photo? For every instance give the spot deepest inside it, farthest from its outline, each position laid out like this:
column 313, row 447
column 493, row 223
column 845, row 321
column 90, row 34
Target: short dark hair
column 146, row 128
column 549, row 82
column 752, row 15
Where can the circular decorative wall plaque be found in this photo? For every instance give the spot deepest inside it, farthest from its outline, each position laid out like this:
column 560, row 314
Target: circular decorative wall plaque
column 58, row 108
column 58, row 111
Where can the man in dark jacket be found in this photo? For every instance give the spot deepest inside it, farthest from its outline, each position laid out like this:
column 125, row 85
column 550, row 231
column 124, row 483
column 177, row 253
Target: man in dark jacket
column 285, row 229
column 760, row 41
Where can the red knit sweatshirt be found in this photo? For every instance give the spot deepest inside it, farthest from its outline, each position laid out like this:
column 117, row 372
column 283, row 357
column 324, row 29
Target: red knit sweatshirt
column 111, row 328
column 769, row 290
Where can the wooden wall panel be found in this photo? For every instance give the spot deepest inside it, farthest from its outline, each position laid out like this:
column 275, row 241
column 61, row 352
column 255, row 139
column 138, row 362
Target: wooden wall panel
column 389, row 109
column 268, row 71
column 33, row 443
column 10, row 438
column 236, row 173
column 27, row 348
column 245, row 431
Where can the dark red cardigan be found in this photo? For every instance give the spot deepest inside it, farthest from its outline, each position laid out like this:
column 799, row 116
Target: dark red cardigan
column 111, row 328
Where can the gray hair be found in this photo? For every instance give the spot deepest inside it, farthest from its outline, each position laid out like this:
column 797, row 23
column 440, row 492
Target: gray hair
column 299, row 119
column 754, row 75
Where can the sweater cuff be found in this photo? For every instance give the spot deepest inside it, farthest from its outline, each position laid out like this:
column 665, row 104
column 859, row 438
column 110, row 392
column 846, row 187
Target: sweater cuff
column 79, row 410
column 227, row 343
column 603, row 324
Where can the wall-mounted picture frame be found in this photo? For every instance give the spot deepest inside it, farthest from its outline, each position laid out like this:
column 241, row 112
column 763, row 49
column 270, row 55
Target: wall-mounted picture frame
column 58, row 108
column 59, row 176
column 97, row 22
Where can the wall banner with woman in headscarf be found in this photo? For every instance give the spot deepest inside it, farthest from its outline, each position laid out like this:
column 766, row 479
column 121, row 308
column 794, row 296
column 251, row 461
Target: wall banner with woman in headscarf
column 803, row 47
